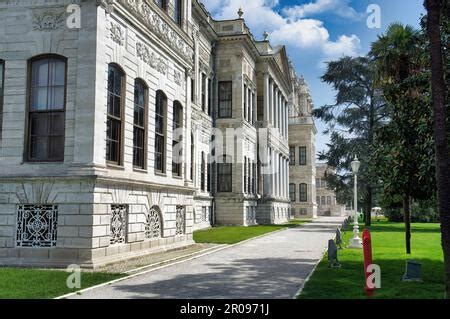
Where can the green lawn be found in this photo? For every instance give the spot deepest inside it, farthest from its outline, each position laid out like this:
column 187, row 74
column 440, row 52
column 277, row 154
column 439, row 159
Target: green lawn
column 388, row 249
column 235, row 234
column 21, row 283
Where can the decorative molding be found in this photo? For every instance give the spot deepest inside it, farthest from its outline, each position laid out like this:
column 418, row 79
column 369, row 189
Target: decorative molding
column 36, row 193
column 151, row 58
column 107, row 5
column 143, row 11
column 178, row 78
column 117, row 34
column 48, row 19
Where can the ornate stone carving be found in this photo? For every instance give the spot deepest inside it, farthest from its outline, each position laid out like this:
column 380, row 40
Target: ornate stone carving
column 107, row 4
column 117, row 34
column 36, row 225
column 151, row 58
column 180, row 220
column 118, row 224
column 48, row 20
column 143, row 11
column 178, row 78
column 153, row 223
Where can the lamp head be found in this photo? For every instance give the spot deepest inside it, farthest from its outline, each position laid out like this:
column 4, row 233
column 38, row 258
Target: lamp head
column 355, row 165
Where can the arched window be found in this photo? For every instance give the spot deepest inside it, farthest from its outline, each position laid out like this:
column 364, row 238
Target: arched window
column 177, row 152
column 140, row 124
column 160, row 132
column 203, row 173
column 2, row 85
column 46, row 117
column 114, row 123
column 303, row 192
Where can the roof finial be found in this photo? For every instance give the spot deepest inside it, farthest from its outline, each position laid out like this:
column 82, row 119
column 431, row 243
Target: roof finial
column 240, row 13
column 266, row 36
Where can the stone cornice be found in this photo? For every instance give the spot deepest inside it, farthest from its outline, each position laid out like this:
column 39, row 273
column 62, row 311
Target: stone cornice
column 143, row 11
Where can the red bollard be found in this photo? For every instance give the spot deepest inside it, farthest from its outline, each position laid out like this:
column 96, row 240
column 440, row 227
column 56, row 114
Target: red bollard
column 367, row 248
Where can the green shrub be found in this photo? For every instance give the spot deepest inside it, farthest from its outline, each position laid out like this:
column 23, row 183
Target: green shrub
column 421, row 212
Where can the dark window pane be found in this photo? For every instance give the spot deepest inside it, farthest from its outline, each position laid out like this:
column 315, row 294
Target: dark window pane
column 225, row 99
column 303, row 193
column 161, row 102
column 302, row 155
column 47, row 93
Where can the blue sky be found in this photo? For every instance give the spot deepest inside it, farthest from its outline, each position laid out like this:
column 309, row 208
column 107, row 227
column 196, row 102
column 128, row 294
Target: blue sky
column 315, row 31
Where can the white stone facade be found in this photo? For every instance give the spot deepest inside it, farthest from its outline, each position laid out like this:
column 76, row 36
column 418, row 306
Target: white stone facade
column 326, row 198
column 302, row 137
column 84, row 208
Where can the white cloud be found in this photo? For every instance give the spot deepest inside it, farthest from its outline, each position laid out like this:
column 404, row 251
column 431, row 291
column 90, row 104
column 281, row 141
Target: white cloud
column 339, row 7
column 291, row 30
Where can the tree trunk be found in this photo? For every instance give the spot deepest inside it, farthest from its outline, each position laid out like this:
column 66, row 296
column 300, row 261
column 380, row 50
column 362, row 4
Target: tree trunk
column 368, row 207
column 434, row 8
column 407, row 218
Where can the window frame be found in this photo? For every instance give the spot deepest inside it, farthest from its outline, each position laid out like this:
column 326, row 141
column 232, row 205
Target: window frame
column 203, row 79
column 203, row 172
column 220, row 168
column 119, row 162
column 177, row 168
column 27, row 139
column 303, row 199
column 291, row 155
column 220, row 114
column 293, row 192
column 2, row 93
column 302, row 162
column 144, row 128
column 163, row 134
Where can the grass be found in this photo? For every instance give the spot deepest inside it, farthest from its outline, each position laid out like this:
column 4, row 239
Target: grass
column 388, row 250
column 21, row 283
column 235, row 234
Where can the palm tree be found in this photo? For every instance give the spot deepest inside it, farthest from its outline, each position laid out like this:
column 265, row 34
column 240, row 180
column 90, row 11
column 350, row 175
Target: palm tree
column 397, row 57
column 435, row 9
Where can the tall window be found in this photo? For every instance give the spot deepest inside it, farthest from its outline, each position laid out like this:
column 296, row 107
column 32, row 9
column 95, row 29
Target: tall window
column 329, row 200
column 249, row 176
column 203, row 173
column 302, row 155
column 225, row 99
column 2, row 80
column 292, row 155
column 160, row 128
column 292, row 194
column 192, row 157
column 303, row 192
column 139, row 124
column 317, row 182
column 177, row 152
column 208, row 179
column 318, row 200
column 245, row 174
column 254, row 177
column 115, row 114
column 245, row 102
column 253, row 108
column 224, row 175
column 47, row 109
column 203, row 77
column 192, row 90
column 322, row 201
column 177, row 10
column 210, row 96
column 161, row 3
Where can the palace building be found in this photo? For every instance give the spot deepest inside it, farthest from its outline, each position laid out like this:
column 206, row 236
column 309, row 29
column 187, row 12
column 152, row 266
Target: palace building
column 149, row 119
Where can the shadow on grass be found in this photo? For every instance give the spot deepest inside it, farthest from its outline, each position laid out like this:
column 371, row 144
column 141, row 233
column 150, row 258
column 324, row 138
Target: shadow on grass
column 348, row 282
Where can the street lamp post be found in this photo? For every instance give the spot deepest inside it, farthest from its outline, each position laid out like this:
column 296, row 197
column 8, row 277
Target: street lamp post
column 355, row 242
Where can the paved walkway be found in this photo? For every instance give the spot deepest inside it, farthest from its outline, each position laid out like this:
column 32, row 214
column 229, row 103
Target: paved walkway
column 274, row 266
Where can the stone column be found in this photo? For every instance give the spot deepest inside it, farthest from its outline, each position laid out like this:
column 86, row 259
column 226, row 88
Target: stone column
column 271, row 97
column 266, row 97
column 250, row 106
